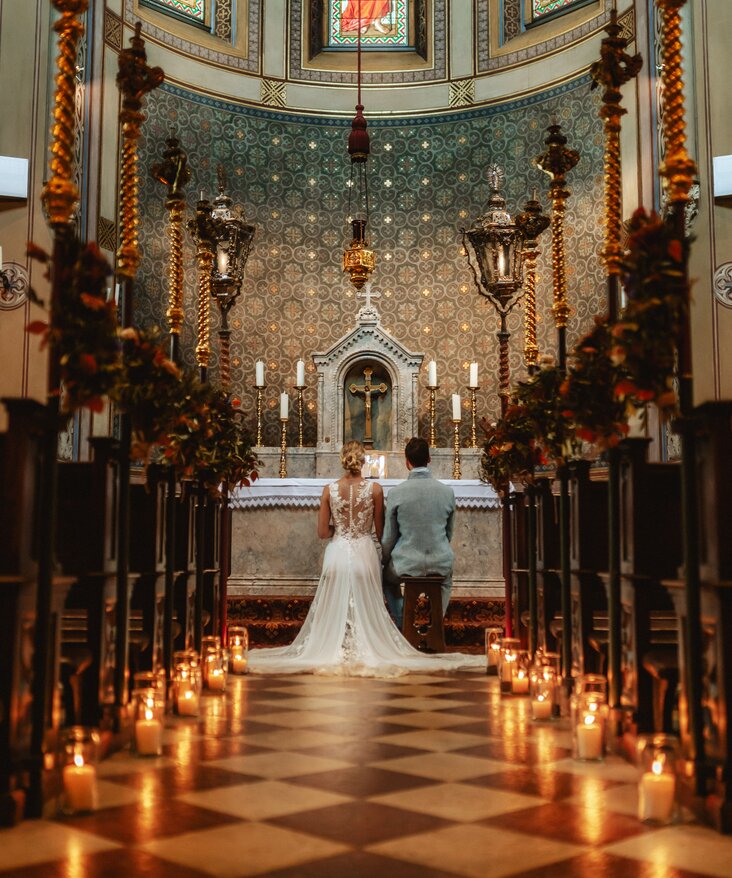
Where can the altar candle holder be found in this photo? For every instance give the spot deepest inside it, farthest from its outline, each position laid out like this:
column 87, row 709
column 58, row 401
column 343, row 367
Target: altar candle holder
column 283, row 448
column 299, row 388
column 78, row 758
column 493, row 638
column 260, row 407
column 433, row 388
column 473, row 416
column 456, row 470
column 658, row 759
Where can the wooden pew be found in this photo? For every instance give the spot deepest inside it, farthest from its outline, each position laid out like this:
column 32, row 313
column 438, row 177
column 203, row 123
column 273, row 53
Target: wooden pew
column 185, row 565
column 517, row 511
column 548, row 597
column 212, row 566
column 588, row 558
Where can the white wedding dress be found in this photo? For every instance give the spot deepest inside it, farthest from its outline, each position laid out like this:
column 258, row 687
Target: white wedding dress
column 348, row 631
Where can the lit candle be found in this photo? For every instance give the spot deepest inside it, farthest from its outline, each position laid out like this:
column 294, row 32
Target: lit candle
column 149, row 735
column 259, row 373
column 473, row 375
column 501, row 264
column 80, row 785
column 493, row 652
column 284, row 406
column 589, row 737
column 656, row 794
column 222, row 260
column 541, row 707
column 187, row 703
column 300, row 380
column 216, row 679
column 432, row 374
column 456, row 414
column 507, row 667
column 239, row 663
column 520, row 683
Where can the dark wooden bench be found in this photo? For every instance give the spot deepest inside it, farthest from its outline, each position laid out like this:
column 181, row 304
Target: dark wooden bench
column 422, row 622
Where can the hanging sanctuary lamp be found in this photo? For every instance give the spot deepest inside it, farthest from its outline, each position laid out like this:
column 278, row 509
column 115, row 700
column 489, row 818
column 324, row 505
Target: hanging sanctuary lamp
column 358, row 259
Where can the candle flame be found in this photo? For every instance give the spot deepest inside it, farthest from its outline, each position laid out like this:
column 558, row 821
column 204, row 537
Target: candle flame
column 78, row 760
column 657, row 766
column 589, row 719
column 188, row 695
column 148, row 714
column 541, row 697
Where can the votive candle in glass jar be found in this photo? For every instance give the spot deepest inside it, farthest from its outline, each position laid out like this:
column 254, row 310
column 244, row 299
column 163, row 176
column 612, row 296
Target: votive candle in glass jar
column 510, row 647
column 588, row 728
column 520, row 674
column 542, row 699
column 149, row 709
column 658, row 761
column 214, row 670
column 78, row 758
column 493, row 637
column 238, row 641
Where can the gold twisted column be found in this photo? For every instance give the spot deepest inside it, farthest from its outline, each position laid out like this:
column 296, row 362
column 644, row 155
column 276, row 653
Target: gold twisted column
column 557, row 161
column 135, row 79
column 60, row 194
column 678, row 168
column 260, row 405
column 433, row 399
column 283, row 448
column 225, row 359
column 614, row 69
column 456, row 470
column 504, row 372
column 532, row 223
column 205, row 258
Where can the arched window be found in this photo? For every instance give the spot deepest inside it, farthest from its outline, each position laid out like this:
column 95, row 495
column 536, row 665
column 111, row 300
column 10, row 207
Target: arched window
column 543, row 9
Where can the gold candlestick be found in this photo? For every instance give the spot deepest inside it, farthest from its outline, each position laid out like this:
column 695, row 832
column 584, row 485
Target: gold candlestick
column 473, row 416
column 433, row 393
column 260, row 404
column 456, row 471
column 299, row 388
column 283, row 448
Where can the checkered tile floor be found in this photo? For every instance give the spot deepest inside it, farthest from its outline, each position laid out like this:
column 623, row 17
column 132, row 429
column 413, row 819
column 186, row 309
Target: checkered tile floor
column 316, row 777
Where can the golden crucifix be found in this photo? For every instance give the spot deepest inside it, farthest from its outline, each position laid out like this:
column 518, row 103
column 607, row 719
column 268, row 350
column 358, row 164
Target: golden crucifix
column 367, row 389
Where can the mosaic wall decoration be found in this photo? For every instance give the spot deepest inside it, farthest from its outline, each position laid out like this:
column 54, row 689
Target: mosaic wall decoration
column 381, row 23
column 428, row 179
column 193, row 10
column 540, row 8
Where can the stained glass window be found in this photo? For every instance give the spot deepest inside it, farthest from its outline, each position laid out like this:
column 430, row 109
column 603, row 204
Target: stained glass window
column 541, row 8
column 382, row 23
column 190, row 10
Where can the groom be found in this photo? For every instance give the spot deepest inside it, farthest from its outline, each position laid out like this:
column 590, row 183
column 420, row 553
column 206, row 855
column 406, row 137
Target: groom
column 420, row 519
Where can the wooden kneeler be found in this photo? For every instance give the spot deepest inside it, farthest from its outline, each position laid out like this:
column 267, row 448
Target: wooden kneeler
column 422, row 621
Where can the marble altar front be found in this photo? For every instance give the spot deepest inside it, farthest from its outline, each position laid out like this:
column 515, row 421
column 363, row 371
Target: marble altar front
column 276, row 551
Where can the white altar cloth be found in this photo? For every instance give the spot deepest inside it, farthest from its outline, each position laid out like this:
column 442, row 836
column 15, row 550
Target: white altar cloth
column 469, row 493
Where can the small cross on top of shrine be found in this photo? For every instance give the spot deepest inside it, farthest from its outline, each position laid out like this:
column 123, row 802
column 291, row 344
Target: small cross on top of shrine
column 368, row 294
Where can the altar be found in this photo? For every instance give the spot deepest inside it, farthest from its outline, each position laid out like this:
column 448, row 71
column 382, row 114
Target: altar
column 276, row 550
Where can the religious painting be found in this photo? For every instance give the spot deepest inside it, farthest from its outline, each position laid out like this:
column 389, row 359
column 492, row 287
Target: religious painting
column 189, row 10
column 367, row 396
column 379, row 23
column 542, row 8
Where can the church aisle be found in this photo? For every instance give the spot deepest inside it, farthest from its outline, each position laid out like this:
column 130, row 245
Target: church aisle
column 315, row 777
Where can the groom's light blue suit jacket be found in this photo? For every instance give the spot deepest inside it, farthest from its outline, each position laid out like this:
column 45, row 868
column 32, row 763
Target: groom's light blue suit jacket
column 420, row 519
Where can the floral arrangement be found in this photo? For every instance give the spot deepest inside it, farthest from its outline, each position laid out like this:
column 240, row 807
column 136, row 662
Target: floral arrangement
column 82, row 328
column 647, row 334
column 588, row 394
column 540, row 397
column 510, row 451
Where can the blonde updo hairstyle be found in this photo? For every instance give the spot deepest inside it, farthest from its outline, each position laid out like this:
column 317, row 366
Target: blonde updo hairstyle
column 353, row 455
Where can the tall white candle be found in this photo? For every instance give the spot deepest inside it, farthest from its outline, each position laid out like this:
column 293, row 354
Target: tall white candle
column 222, row 261
column 432, row 374
column 300, row 379
column 80, row 785
column 284, row 406
column 473, row 375
column 259, row 373
column 456, row 413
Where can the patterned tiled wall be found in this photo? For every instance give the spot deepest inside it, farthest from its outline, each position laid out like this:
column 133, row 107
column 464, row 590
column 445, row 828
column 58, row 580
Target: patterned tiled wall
column 427, row 180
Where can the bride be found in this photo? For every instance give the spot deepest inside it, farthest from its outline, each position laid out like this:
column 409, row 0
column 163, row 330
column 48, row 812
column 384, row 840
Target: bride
column 348, row 631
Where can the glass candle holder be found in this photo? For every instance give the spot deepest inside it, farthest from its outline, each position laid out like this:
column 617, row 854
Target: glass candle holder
column 520, row 674
column 78, row 757
column 186, row 686
column 658, row 759
column 510, row 647
column 238, row 641
column 552, row 664
column 542, row 698
column 214, row 670
column 149, row 680
column 149, row 707
column 493, row 637
column 588, row 727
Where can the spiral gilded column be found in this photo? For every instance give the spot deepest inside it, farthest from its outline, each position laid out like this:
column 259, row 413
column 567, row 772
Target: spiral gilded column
column 532, row 223
column 205, row 259
column 678, row 169
column 60, row 194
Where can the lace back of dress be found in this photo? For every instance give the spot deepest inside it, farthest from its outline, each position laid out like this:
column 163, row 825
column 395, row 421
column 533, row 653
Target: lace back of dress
column 352, row 508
